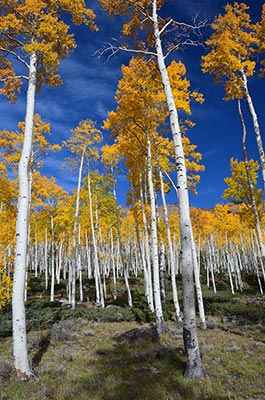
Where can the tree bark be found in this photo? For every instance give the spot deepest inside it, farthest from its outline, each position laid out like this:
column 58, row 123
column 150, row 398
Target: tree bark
column 20, row 353
column 251, row 188
column 256, row 126
column 194, row 367
column 160, row 324
column 170, row 250
column 99, row 290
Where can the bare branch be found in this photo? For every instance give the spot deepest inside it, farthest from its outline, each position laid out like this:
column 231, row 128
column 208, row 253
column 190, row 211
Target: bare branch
column 15, row 55
column 170, row 180
column 16, row 76
column 165, row 26
column 113, row 49
column 189, row 27
column 12, row 38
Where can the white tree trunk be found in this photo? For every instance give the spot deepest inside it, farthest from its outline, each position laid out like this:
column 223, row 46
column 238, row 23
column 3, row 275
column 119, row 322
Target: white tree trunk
column 20, row 353
column 113, row 265
column 160, row 324
column 46, row 260
column 99, row 290
column 79, row 266
column 194, row 367
column 170, row 250
column 146, row 255
column 198, row 285
column 251, row 187
column 75, row 256
column 52, row 263
column 256, row 126
column 125, row 266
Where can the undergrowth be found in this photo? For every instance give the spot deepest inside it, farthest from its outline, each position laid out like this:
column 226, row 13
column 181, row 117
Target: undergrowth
column 78, row 355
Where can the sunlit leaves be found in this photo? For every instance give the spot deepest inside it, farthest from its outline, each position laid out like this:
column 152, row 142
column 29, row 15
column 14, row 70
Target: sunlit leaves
column 10, row 82
column 84, row 140
column 5, row 289
column 238, row 190
column 261, row 36
column 141, row 109
column 233, row 46
column 35, row 26
column 11, row 144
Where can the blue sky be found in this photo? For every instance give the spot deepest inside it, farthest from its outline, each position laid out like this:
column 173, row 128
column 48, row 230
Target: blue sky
column 89, row 89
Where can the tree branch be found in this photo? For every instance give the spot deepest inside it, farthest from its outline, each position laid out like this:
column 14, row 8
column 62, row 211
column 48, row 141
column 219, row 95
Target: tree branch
column 14, row 54
column 165, row 26
column 112, row 49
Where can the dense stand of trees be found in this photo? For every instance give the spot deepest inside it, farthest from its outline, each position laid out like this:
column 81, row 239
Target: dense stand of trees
column 59, row 236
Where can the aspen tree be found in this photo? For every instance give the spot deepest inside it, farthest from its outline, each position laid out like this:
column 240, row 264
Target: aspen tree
column 144, row 17
column 35, row 36
column 232, row 60
column 110, row 158
column 82, row 145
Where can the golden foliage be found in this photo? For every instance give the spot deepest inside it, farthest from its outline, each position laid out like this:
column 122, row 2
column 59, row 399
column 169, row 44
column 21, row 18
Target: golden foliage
column 142, row 109
column 5, row 289
column 233, row 44
column 35, row 26
column 83, row 139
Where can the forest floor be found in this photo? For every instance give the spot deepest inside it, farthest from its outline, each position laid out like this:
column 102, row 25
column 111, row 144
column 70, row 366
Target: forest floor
column 85, row 358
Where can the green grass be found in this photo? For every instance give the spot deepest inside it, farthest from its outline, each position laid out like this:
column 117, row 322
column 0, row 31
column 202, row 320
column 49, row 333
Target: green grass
column 92, row 363
column 99, row 367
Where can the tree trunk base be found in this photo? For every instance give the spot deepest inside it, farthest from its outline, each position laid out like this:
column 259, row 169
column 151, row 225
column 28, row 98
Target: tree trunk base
column 161, row 326
column 194, row 371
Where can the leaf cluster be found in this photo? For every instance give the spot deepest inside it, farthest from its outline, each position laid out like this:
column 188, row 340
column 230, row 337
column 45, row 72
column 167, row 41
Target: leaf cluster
column 233, row 45
column 37, row 26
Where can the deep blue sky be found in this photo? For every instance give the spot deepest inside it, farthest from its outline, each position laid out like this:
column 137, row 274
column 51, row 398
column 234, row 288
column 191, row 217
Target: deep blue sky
column 89, row 89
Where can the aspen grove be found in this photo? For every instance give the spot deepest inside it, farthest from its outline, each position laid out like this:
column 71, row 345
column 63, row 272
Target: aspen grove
column 142, row 150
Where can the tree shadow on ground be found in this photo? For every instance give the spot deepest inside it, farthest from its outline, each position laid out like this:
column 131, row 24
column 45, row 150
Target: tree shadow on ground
column 138, row 370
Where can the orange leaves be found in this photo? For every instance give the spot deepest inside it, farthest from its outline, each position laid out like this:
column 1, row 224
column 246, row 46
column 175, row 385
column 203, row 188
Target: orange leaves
column 180, row 87
column 83, row 140
column 238, row 190
column 10, row 22
column 45, row 192
column 10, row 83
column 11, row 144
column 31, row 8
column 5, row 289
column 261, row 36
column 221, row 223
column 79, row 12
column 233, row 44
column 36, row 26
column 110, row 156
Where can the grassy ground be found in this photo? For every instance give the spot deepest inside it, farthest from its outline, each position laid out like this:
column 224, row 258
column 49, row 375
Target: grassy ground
column 84, row 359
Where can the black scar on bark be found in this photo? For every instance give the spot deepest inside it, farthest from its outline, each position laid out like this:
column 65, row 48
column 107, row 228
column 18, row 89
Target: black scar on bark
column 187, row 339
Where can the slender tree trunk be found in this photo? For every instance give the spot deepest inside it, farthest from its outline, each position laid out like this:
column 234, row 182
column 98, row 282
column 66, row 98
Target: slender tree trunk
column 35, row 255
column 99, row 290
column 198, row 285
column 251, row 187
column 160, row 324
column 88, row 254
column 75, row 256
column 194, row 367
column 196, row 274
column 146, row 255
column 113, row 265
column 20, row 353
column 162, row 272
column 256, row 126
column 125, row 267
column 52, row 262
column 46, row 260
column 170, row 250
column 79, row 266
